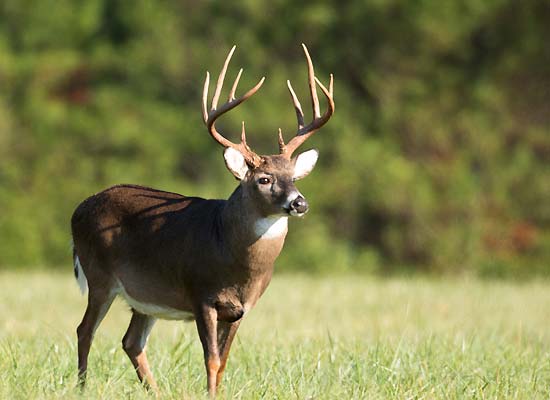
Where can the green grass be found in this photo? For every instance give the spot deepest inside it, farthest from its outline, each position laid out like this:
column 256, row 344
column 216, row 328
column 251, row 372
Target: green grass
column 349, row 337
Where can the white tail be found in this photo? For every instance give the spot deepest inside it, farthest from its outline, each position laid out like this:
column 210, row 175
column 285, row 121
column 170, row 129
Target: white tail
column 79, row 275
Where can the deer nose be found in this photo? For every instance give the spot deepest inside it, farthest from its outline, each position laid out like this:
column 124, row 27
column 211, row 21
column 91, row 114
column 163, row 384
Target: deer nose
column 299, row 205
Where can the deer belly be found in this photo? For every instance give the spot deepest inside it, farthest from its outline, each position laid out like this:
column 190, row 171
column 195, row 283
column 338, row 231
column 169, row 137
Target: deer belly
column 156, row 310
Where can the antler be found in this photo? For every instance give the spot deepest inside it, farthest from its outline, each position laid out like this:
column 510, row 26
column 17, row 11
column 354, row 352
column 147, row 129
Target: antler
column 210, row 117
column 304, row 132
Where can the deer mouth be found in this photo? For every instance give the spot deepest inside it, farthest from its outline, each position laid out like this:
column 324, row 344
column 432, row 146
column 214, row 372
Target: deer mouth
column 294, row 213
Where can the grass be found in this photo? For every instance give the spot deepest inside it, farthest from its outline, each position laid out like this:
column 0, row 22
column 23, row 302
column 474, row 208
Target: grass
column 349, row 337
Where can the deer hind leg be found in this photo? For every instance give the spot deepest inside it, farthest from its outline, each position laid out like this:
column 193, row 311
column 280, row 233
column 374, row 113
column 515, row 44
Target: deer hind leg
column 134, row 342
column 99, row 302
column 226, row 333
column 206, row 319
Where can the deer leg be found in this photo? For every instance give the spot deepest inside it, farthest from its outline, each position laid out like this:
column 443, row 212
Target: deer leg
column 206, row 318
column 134, row 342
column 98, row 305
column 226, row 333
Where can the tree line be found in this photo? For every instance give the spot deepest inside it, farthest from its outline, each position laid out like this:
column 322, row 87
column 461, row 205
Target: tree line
column 436, row 159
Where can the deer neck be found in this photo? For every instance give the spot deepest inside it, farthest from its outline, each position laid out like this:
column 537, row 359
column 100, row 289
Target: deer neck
column 247, row 229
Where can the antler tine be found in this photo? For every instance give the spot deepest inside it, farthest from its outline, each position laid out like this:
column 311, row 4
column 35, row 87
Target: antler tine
column 297, row 105
column 282, row 145
column 205, row 97
column 234, row 88
column 243, row 135
column 211, row 116
column 221, row 78
column 311, row 81
column 304, row 132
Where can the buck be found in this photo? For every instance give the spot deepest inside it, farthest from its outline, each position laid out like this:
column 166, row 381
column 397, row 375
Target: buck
column 188, row 258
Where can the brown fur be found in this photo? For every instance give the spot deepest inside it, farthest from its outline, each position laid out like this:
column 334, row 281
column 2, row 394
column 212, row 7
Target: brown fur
column 185, row 253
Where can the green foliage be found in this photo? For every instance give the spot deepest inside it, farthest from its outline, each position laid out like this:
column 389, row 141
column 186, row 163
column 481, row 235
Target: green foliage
column 436, row 158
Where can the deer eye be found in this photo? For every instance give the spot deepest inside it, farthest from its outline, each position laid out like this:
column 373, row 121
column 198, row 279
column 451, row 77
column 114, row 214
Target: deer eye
column 264, row 181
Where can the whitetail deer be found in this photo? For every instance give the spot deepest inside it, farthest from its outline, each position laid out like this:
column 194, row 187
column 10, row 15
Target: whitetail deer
column 176, row 257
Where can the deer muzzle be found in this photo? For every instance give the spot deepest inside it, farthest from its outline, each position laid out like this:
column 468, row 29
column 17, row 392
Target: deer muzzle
column 298, row 206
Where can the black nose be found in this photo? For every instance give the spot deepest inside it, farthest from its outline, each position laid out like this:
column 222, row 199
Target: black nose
column 299, row 204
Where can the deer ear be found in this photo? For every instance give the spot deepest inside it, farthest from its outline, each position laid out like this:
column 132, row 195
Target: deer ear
column 304, row 163
column 235, row 162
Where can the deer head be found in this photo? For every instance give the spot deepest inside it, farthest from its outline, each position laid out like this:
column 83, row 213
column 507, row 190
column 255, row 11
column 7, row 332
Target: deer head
column 269, row 179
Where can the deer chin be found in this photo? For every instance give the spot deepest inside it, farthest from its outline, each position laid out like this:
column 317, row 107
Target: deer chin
column 295, row 213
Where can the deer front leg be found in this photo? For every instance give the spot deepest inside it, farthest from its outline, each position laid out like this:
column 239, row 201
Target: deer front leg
column 206, row 318
column 226, row 333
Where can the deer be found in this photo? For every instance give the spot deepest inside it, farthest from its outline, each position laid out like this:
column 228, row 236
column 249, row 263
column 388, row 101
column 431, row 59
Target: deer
column 176, row 257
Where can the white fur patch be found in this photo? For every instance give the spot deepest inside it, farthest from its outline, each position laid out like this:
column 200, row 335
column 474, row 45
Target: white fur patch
column 304, row 164
column 154, row 310
column 271, row 227
column 81, row 277
column 235, row 162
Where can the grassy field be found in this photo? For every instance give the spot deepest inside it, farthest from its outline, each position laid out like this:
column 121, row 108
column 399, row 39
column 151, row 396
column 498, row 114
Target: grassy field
column 350, row 337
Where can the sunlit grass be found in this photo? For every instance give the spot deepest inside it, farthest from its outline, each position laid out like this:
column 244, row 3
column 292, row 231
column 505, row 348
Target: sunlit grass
column 309, row 337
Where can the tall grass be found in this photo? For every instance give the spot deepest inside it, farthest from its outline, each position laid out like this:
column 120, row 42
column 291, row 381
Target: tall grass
column 348, row 337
